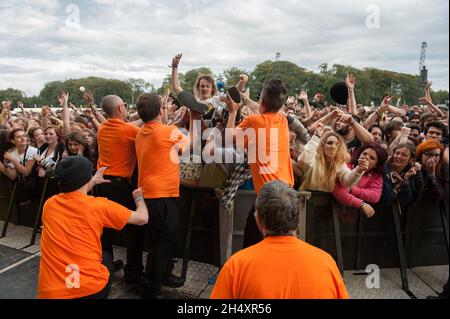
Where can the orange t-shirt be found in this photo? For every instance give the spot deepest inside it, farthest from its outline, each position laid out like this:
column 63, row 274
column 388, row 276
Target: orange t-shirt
column 70, row 244
column 280, row 268
column 157, row 147
column 268, row 149
column 116, row 147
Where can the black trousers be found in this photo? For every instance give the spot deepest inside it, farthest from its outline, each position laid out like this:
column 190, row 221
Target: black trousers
column 119, row 191
column 161, row 233
column 107, row 260
column 252, row 234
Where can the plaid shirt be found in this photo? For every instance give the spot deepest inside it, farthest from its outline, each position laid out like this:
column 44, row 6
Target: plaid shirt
column 240, row 174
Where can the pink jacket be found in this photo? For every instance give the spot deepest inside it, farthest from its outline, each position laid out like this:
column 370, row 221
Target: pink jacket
column 368, row 190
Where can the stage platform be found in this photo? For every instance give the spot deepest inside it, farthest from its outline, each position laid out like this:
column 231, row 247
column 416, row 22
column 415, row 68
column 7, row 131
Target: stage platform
column 19, row 268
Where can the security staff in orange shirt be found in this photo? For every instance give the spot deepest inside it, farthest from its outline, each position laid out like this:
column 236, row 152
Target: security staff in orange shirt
column 117, row 152
column 72, row 263
column 280, row 266
column 158, row 147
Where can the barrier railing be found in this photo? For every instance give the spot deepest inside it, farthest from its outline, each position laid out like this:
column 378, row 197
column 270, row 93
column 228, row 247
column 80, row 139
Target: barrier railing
column 315, row 227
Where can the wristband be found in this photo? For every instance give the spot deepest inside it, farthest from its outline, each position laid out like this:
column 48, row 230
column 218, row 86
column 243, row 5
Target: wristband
column 138, row 199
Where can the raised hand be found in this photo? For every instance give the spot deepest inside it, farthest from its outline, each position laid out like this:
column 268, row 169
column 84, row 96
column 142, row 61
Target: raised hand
column 350, row 81
column 319, row 129
column 6, row 104
column 303, row 96
column 176, row 60
column 89, row 99
column 243, row 78
column 385, row 103
column 233, row 107
column 63, row 98
column 165, row 101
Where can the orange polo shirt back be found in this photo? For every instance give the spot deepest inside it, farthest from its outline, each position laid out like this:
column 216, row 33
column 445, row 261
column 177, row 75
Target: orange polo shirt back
column 116, row 148
column 158, row 160
column 280, row 268
column 268, row 150
column 70, row 244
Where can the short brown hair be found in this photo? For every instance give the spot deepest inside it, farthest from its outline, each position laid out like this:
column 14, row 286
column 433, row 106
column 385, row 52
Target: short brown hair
column 148, row 106
column 273, row 95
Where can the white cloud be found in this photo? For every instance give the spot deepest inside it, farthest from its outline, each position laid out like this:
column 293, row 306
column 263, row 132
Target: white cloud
column 137, row 38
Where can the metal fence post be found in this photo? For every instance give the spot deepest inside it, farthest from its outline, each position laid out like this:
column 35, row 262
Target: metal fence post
column 10, row 207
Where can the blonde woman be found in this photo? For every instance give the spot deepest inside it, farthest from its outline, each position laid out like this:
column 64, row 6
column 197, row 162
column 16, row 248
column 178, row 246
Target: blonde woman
column 323, row 163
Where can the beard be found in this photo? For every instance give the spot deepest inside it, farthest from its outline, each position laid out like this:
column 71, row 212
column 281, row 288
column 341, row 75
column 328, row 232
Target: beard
column 343, row 131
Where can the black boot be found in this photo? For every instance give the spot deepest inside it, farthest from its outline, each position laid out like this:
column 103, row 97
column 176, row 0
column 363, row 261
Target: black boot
column 173, row 281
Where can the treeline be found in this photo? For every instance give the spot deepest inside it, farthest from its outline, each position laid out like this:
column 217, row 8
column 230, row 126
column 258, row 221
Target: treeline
column 371, row 85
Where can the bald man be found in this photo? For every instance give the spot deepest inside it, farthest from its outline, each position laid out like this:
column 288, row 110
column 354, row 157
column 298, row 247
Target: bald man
column 117, row 152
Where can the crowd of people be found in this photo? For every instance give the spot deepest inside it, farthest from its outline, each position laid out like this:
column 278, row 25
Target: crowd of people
column 366, row 157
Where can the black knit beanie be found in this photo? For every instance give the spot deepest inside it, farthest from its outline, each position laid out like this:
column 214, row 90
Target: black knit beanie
column 72, row 173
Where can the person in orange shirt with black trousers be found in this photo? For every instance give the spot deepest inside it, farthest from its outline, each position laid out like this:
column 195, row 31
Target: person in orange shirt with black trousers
column 117, row 153
column 280, row 266
column 72, row 263
column 158, row 147
column 268, row 148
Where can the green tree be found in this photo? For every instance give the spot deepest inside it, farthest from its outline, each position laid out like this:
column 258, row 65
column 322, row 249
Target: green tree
column 138, row 87
column 99, row 87
column 231, row 76
column 293, row 76
column 11, row 94
column 166, row 85
column 439, row 97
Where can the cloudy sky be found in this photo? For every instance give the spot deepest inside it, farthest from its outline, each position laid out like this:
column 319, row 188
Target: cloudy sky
column 47, row 40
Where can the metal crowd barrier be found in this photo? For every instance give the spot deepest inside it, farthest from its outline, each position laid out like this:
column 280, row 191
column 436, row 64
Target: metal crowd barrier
column 13, row 201
column 314, row 226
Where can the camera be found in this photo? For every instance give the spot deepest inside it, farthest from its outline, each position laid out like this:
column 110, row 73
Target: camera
column 48, row 163
column 10, row 164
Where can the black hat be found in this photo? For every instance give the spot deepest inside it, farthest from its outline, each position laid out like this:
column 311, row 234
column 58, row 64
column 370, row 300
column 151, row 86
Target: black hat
column 339, row 93
column 72, row 173
column 188, row 100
